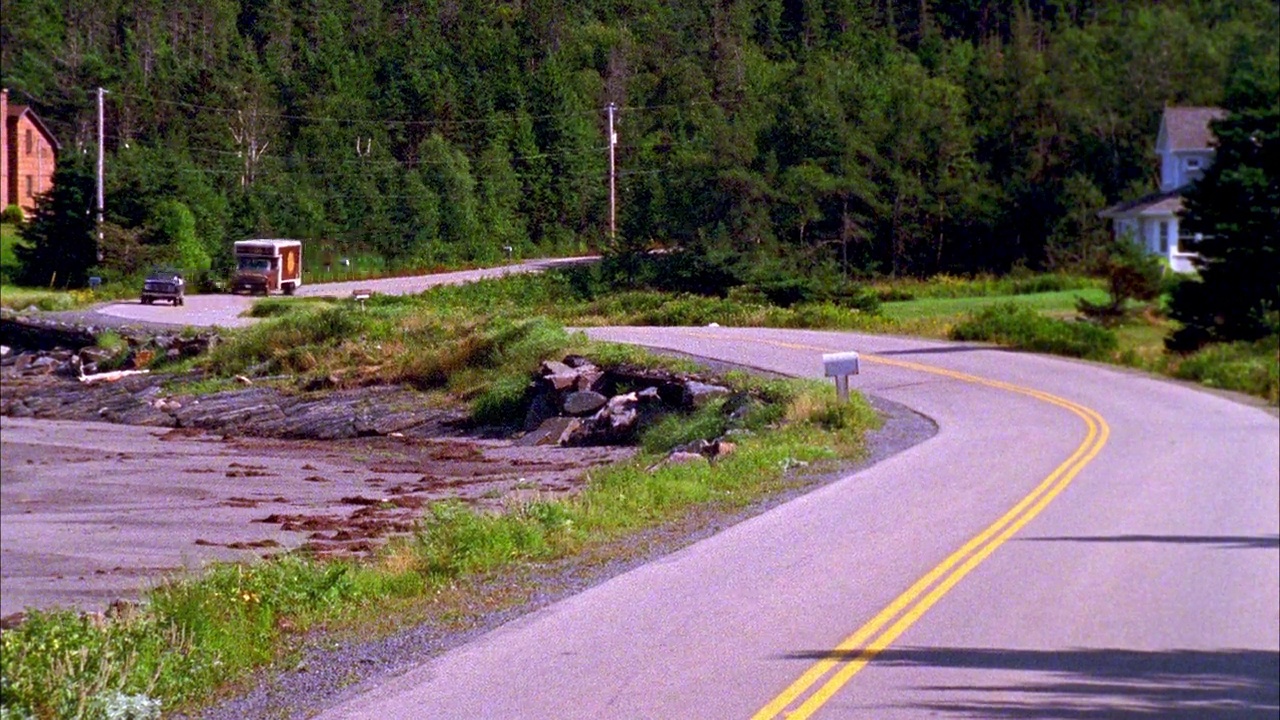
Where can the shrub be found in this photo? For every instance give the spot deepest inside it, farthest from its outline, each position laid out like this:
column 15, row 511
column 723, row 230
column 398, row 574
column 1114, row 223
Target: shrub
column 1021, row 327
column 1132, row 274
column 12, row 214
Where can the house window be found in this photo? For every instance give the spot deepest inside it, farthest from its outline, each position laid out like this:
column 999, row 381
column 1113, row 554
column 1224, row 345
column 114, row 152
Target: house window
column 1193, row 163
column 1164, row 237
column 30, row 186
column 28, row 141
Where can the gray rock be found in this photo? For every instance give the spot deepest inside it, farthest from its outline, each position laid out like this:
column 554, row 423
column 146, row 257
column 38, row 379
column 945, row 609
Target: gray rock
column 553, row 431
column 540, row 409
column 95, row 354
column 42, row 365
column 589, row 378
column 622, row 420
column 619, row 403
column 682, row 458
column 563, row 381
column 699, row 447
column 584, row 402
column 551, row 367
column 697, row 394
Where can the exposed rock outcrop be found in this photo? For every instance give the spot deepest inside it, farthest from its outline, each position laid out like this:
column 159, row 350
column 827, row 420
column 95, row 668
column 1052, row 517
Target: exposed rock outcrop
column 575, row 402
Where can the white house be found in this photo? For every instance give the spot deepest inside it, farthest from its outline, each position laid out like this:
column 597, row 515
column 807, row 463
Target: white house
column 1185, row 147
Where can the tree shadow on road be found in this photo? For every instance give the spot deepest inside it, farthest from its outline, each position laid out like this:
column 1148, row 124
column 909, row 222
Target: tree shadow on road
column 1242, row 542
column 1093, row 683
column 942, row 350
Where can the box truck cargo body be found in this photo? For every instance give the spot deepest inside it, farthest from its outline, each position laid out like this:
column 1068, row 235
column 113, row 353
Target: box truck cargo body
column 267, row 266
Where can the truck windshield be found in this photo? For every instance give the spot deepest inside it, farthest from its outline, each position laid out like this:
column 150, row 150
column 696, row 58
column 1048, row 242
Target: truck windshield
column 255, row 264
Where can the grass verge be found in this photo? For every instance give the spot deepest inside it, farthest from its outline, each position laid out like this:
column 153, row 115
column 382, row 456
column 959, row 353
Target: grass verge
column 194, row 634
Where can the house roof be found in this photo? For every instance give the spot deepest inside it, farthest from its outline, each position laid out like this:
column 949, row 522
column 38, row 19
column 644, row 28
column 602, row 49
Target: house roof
column 1153, row 205
column 17, row 111
column 1187, row 128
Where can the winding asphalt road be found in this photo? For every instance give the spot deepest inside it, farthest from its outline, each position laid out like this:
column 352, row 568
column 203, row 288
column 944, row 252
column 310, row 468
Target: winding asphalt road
column 1075, row 542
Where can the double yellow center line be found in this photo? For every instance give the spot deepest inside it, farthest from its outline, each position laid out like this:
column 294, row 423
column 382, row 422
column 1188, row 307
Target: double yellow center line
column 824, row 678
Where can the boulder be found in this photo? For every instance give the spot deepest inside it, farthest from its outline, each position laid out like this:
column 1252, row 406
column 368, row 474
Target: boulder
column 698, row 394
column 541, row 407
column 583, row 402
column 564, row 381
column 42, row 365
column 680, row 458
column 720, row 448
column 551, row 367
column 552, row 431
column 589, row 378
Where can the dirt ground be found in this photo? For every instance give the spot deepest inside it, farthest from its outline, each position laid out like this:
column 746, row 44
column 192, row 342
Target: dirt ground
column 93, row 512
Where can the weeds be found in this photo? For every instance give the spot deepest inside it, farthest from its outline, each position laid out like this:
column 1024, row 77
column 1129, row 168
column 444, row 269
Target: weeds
column 1252, row 368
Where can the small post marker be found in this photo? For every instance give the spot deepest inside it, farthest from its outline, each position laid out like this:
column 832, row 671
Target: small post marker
column 840, row 366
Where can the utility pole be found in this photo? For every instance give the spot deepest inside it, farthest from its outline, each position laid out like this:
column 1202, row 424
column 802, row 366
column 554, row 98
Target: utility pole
column 613, row 177
column 101, row 142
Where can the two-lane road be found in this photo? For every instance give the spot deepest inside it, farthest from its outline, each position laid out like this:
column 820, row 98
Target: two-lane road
column 226, row 310
column 1076, row 541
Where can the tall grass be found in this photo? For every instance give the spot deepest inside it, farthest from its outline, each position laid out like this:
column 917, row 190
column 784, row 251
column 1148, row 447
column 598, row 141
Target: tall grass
column 1248, row 367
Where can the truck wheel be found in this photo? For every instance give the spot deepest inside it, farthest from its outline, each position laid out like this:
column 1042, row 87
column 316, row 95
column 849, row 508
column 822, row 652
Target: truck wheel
column 288, row 289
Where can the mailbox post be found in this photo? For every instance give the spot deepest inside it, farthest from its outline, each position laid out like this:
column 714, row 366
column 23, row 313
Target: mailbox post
column 360, row 295
column 840, row 366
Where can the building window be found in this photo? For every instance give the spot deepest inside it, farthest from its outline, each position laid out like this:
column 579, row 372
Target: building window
column 1193, row 163
column 29, row 143
column 1164, row 237
column 30, row 186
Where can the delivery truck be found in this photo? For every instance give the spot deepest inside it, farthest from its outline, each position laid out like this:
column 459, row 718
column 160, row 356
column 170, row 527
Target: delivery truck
column 267, row 266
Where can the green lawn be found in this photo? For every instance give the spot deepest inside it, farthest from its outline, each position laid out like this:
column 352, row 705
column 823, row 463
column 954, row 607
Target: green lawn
column 1062, row 302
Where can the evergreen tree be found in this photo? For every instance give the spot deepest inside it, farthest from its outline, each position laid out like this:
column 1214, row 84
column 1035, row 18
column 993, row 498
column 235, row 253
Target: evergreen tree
column 1236, row 207
column 61, row 246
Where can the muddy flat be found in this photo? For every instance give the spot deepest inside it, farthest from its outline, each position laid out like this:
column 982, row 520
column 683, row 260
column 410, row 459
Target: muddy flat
column 93, row 512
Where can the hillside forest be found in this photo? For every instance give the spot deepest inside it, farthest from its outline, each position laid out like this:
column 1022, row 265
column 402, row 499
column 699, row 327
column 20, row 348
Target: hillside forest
column 874, row 136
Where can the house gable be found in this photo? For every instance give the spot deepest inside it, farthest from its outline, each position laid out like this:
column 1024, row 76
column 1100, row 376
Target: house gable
column 30, row 156
column 1185, row 144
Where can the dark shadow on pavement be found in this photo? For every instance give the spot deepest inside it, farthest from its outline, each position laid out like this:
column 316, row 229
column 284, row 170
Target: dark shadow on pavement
column 1094, row 683
column 1246, row 542
column 942, row 350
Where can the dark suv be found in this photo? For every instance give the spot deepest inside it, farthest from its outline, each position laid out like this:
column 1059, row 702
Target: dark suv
column 164, row 285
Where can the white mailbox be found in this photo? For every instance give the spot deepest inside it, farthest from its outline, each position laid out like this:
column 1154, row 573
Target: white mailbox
column 840, row 366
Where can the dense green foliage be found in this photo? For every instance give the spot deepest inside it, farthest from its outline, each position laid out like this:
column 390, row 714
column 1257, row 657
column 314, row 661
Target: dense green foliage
column 897, row 136
column 60, row 247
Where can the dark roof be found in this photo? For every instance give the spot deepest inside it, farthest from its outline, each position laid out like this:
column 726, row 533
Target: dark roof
column 17, row 111
column 1187, row 128
column 1157, row 203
